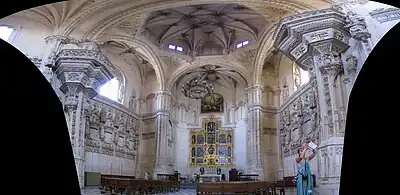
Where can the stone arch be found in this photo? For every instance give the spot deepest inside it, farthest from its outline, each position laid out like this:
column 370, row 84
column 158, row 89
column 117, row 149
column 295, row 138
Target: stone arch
column 148, row 52
column 202, row 61
column 263, row 52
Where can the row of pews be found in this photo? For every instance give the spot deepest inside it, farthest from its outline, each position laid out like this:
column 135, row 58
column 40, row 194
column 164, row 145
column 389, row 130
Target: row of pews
column 242, row 187
column 167, row 183
column 130, row 185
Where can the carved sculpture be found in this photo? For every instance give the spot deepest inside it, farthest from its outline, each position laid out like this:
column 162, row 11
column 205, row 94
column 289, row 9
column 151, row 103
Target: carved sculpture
column 357, row 27
column 351, row 65
column 112, row 131
column 299, row 121
column 132, row 103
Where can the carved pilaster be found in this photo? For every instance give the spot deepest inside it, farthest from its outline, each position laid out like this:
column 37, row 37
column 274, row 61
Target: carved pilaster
column 255, row 160
column 163, row 100
column 80, row 76
column 322, row 36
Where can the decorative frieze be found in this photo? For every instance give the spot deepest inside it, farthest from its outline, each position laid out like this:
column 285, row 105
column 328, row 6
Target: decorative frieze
column 299, row 121
column 357, row 27
column 296, row 34
column 111, row 131
column 385, row 14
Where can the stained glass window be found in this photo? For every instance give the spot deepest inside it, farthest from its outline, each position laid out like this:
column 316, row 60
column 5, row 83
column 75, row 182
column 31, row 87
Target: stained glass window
column 211, row 145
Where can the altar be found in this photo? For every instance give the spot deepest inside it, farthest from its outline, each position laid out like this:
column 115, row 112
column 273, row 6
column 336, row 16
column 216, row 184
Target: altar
column 210, row 178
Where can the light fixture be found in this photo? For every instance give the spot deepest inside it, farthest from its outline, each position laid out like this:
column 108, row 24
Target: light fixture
column 197, row 88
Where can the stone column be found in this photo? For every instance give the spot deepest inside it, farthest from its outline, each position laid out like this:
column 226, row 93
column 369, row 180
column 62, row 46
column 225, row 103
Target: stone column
column 318, row 47
column 255, row 160
column 163, row 101
column 81, row 73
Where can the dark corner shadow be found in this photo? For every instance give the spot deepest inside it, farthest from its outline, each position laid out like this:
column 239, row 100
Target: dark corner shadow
column 370, row 140
column 37, row 155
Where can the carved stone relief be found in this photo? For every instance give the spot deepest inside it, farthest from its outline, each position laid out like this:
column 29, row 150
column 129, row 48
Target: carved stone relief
column 299, row 122
column 351, row 66
column 357, row 26
column 385, row 14
column 111, row 131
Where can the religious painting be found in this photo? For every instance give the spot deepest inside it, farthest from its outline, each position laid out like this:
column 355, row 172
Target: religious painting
column 212, row 103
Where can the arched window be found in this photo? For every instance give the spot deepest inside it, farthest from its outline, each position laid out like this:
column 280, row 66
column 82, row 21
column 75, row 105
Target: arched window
column 110, row 89
column 304, row 76
column 300, row 76
column 5, row 33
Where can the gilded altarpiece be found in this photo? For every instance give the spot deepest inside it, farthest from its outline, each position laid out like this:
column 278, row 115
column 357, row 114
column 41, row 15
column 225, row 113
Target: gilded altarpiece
column 211, row 145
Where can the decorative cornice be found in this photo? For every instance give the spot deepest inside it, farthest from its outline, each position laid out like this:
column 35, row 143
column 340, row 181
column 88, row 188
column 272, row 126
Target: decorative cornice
column 295, row 96
column 385, row 14
column 116, row 105
column 296, row 33
column 254, row 87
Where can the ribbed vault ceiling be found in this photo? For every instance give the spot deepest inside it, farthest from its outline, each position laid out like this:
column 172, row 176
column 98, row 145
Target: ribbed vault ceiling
column 212, row 29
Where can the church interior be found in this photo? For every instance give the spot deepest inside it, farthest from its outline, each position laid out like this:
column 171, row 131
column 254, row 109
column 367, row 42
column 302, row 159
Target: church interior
column 179, row 96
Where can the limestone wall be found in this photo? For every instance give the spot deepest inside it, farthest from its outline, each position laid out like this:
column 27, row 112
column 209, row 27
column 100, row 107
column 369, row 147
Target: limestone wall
column 112, row 139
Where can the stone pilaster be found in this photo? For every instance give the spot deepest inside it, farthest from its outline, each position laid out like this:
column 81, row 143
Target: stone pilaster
column 80, row 75
column 321, row 39
column 163, row 104
column 255, row 160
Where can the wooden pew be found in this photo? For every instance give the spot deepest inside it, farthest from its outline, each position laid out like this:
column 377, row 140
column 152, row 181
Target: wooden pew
column 174, row 178
column 132, row 186
column 241, row 187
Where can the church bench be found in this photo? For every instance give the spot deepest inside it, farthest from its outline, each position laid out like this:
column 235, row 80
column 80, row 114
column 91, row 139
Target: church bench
column 226, row 188
column 275, row 188
column 174, row 178
column 113, row 176
column 131, row 186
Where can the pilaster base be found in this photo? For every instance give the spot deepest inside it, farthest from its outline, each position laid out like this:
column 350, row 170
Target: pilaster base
column 328, row 189
column 162, row 169
column 80, row 169
column 259, row 172
column 330, row 163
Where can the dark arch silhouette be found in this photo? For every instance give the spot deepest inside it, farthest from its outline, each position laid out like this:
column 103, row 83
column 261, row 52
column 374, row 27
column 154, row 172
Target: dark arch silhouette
column 37, row 154
column 370, row 140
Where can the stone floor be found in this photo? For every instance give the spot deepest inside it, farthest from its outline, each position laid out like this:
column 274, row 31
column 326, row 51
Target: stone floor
column 96, row 191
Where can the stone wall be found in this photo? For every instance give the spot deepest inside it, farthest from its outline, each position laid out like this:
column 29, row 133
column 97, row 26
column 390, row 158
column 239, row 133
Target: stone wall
column 148, row 145
column 299, row 121
column 112, row 139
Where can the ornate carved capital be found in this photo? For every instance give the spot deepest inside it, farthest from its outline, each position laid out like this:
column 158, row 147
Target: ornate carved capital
column 163, row 100
column 357, row 26
column 331, row 69
column 58, row 38
column 86, row 68
column 163, row 93
column 71, row 91
column 297, row 36
column 254, row 88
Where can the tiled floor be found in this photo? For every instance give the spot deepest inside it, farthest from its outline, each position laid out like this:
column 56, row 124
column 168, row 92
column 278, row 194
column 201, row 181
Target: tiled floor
column 96, row 191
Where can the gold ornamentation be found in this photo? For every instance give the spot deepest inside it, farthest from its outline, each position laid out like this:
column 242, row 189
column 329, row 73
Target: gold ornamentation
column 211, row 145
